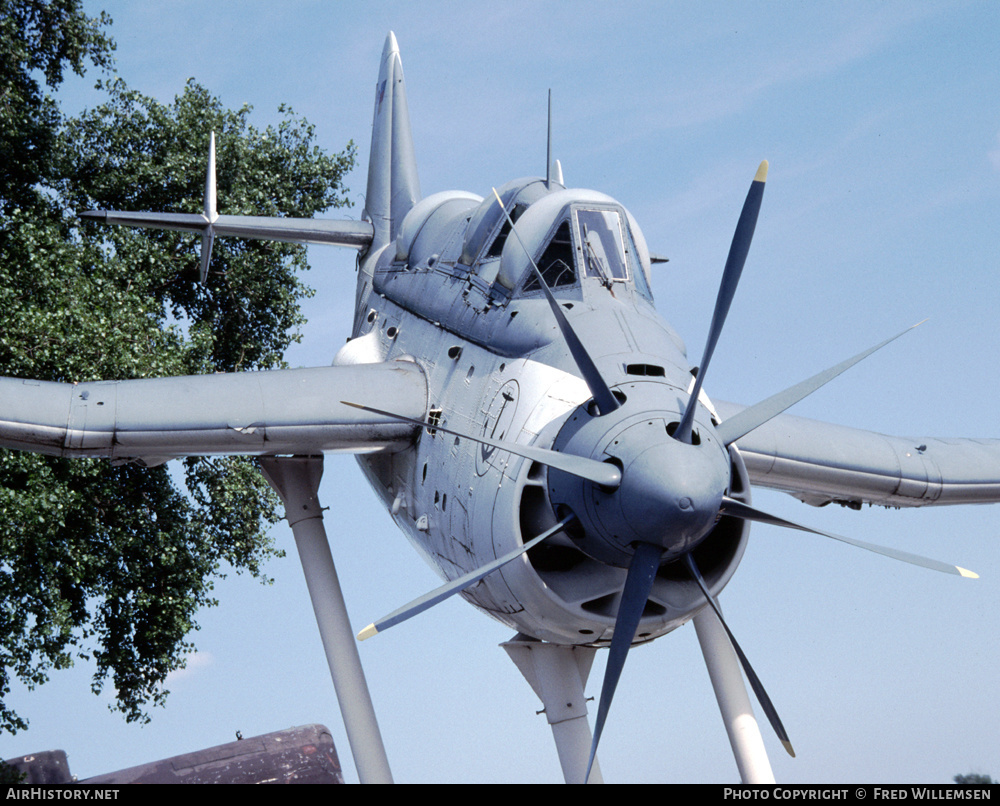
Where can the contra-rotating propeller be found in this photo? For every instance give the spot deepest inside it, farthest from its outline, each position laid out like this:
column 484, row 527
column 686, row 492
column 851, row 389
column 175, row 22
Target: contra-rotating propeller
column 664, row 495
column 702, row 508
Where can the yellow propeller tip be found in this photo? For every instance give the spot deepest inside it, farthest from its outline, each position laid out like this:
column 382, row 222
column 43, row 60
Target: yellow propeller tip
column 967, row 573
column 367, row 632
column 787, row 745
column 761, row 173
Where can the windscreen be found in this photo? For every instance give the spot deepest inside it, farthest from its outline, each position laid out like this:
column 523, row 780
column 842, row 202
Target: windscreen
column 603, row 244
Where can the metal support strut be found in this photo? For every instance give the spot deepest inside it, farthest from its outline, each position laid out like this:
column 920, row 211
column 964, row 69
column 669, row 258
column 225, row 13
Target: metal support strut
column 296, row 480
column 731, row 692
column 557, row 674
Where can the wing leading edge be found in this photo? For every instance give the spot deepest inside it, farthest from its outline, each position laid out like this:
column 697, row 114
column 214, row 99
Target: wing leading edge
column 255, row 413
column 821, row 463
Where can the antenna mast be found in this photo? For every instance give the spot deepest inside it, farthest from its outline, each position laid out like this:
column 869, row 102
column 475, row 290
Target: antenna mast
column 548, row 147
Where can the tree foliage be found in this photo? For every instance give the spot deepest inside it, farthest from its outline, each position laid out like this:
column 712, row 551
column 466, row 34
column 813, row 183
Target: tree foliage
column 111, row 563
column 39, row 39
column 973, row 779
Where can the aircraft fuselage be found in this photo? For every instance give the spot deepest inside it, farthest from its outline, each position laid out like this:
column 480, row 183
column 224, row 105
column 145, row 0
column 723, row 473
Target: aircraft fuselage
column 497, row 366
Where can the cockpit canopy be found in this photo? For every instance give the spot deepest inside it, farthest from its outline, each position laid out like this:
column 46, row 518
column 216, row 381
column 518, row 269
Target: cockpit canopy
column 572, row 234
column 489, row 224
column 428, row 220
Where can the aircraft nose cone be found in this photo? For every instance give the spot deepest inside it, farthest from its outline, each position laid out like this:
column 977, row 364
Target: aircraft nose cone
column 671, row 493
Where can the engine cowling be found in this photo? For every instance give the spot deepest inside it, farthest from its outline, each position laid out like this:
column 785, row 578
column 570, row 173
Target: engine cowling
column 581, row 571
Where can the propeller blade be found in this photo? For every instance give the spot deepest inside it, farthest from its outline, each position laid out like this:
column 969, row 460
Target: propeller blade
column 603, row 473
column 428, row 600
column 756, row 415
column 740, row 510
column 738, row 251
column 755, row 684
column 606, row 401
column 638, row 583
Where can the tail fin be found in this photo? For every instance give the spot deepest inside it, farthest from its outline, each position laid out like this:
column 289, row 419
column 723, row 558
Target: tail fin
column 211, row 213
column 393, row 186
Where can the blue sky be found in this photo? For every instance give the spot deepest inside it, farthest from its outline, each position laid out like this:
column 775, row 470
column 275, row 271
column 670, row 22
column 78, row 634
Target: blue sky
column 881, row 122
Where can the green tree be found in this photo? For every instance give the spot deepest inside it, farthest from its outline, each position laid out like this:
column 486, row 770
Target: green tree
column 9, row 776
column 110, row 563
column 973, row 779
column 39, row 39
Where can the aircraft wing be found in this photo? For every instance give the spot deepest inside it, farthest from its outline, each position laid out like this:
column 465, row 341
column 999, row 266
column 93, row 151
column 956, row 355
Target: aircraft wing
column 288, row 411
column 821, row 463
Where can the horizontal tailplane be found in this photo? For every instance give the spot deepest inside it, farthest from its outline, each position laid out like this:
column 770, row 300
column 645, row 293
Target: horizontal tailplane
column 355, row 234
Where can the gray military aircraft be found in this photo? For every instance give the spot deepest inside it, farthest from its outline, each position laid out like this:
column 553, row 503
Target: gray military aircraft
column 532, row 424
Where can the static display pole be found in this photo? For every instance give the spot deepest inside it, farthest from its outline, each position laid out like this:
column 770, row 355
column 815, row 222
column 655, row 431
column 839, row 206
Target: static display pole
column 731, row 692
column 557, row 674
column 296, row 480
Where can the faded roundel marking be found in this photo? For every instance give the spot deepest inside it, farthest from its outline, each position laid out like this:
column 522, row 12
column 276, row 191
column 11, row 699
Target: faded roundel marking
column 499, row 418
